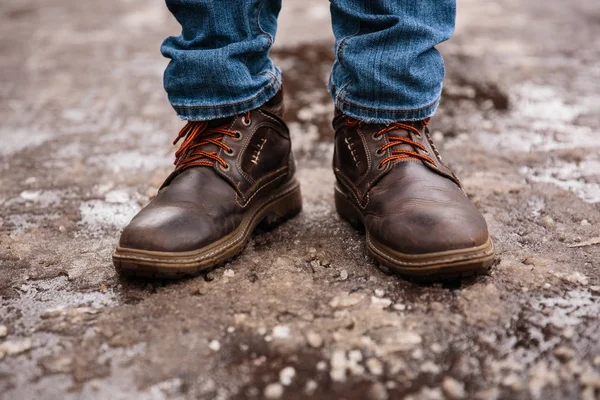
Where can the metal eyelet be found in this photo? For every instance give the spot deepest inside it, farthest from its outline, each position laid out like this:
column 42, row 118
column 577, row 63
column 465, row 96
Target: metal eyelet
column 238, row 136
column 380, row 166
column 377, row 137
column 230, row 152
column 425, row 151
column 246, row 122
column 225, row 168
column 379, row 153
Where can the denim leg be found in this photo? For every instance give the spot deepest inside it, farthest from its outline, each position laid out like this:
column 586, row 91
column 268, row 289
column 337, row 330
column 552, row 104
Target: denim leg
column 387, row 68
column 220, row 63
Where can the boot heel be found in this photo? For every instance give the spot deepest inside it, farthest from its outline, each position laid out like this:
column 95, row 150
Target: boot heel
column 348, row 211
column 283, row 209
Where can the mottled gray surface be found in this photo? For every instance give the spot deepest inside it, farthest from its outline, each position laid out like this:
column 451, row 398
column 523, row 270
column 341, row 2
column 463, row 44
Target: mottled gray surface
column 85, row 142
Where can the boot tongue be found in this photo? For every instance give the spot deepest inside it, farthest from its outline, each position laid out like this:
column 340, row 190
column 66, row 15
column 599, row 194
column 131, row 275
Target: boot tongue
column 403, row 133
column 215, row 123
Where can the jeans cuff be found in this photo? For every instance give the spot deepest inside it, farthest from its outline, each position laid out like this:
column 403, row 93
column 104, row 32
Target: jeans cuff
column 206, row 113
column 383, row 115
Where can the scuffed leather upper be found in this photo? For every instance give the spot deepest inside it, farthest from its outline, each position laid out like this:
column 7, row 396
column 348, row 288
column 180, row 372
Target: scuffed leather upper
column 409, row 205
column 200, row 205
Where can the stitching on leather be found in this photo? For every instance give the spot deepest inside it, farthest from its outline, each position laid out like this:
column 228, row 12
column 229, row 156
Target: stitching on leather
column 438, row 166
column 276, row 175
column 238, row 161
column 367, row 153
column 268, row 116
column 444, row 168
column 278, row 125
column 348, row 183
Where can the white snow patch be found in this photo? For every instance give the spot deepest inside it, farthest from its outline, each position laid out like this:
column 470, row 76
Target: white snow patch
column 97, row 213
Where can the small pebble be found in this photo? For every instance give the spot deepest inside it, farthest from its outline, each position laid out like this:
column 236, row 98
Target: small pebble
column 355, row 356
column 286, row 376
column 379, row 302
column 564, row 353
column 430, row 367
column 311, row 387
column 338, row 375
column 379, row 292
column 590, row 379
column 314, row 339
column 281, row 331
column 417, row 354
column 453, row 388
column 568, row 333
column 375, row 366
column 338, row 366
column 512, row 381
column 273, row 391
column 259, row 361
column 200, row 290
column 346, row 300
column 321, row 366
column 12, row 348
column 343, row 275
column 436, row 348
column 209, row 277
column 229, row 273
column 3, row 330
column 214, row 345
column 528, row 261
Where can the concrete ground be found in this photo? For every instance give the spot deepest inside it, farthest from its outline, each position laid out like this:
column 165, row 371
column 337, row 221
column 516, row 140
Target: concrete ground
column 303, row 312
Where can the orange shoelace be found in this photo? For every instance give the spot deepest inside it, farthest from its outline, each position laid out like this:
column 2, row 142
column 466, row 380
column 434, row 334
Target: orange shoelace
column 198, row 134
column 398, row 154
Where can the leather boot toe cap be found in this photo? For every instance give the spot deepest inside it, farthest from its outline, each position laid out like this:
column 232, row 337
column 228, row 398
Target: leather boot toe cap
column 170, row 229
column 429, row 230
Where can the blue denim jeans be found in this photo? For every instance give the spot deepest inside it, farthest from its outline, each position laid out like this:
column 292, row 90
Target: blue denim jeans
column 386, row 66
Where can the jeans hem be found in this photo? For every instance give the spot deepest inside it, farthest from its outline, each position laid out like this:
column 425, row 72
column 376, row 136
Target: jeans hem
column 385, row 116
column 380, row 115
column 210, row 112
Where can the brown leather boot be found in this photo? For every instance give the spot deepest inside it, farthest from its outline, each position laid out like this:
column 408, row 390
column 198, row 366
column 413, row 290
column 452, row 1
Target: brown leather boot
column 418, row 221
column 230, row 175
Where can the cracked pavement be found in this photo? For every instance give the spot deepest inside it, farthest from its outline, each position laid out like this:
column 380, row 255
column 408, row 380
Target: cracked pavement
column 303, row 312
